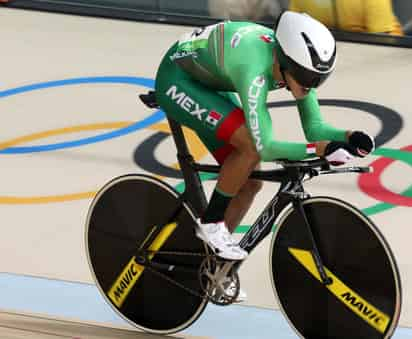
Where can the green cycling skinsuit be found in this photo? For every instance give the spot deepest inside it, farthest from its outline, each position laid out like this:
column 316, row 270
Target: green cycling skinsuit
column 198, row 77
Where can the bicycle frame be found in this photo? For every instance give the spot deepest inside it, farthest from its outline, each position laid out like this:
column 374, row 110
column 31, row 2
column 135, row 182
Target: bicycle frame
column 290, row 191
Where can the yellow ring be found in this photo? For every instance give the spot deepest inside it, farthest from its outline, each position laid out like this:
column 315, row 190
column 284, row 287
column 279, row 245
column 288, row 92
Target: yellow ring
column 197, row 148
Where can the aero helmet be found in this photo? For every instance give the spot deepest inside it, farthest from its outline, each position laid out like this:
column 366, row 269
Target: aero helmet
column 308, row 48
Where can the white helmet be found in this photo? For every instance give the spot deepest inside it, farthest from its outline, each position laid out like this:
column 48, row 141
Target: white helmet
column 308, row 48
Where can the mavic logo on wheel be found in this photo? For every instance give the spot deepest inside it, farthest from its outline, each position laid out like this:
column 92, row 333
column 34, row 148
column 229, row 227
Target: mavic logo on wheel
column 359, row 306
column 186, row 102
column 125, row 282
column 132, row 271
column 352, row 300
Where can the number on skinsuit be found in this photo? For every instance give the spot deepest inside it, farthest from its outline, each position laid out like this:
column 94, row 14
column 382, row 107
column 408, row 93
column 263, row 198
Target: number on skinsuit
column 192, row 38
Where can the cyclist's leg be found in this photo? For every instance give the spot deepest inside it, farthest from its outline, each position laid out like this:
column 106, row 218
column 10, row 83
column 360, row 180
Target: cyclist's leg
column 240, row 203
column 241, row 147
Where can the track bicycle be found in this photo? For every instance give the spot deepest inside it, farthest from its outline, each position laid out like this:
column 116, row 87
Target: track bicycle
column 333, row 273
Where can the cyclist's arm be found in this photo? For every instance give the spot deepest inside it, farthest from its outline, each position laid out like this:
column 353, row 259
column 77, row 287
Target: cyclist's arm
column 314, row 126
column 252, row 88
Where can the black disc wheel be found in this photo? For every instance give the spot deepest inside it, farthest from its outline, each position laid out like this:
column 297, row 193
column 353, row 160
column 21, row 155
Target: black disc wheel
column 136, row 212
column 364, row 297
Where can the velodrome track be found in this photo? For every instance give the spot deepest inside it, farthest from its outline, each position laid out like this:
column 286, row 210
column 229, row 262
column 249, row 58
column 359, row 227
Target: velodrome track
column 71, row 121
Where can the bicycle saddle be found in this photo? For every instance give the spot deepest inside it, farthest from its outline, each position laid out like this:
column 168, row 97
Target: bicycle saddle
column 149, row 99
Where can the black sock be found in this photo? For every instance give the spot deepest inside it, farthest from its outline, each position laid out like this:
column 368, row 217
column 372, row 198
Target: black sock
column 216, row 209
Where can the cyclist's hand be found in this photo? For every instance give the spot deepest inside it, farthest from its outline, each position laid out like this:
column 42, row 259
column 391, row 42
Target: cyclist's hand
column 362, row 142
column 339, row 153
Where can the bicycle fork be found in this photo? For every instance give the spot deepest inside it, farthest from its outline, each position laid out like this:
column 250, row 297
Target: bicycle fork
column 297, row 203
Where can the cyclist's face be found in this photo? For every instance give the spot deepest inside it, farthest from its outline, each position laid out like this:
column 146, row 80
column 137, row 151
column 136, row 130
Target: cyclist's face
column 297, row 90
column 277, row 74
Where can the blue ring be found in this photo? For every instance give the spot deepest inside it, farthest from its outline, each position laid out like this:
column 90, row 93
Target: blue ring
column 152, row 119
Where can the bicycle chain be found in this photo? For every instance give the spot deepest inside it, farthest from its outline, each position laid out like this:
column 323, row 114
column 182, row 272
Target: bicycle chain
column 193, row 254
column 173, row 281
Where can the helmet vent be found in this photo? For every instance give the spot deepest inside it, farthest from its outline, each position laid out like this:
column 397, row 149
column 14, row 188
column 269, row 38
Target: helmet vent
column 321, row 66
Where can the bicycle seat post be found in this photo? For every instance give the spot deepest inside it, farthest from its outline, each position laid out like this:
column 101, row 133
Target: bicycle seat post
column 194, row 192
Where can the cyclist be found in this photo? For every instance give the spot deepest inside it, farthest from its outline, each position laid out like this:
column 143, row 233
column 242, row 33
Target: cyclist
column 196, row 84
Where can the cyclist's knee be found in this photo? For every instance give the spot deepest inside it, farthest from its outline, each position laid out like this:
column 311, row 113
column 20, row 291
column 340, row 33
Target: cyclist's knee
column 244, row 144
column 251, row 154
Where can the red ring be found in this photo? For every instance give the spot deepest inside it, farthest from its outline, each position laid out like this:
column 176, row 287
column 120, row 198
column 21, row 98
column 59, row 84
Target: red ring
column 370, row 183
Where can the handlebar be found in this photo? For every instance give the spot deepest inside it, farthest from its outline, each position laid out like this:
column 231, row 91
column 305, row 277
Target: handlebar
column 321, row 166
column 352, row 169
column 291, row 169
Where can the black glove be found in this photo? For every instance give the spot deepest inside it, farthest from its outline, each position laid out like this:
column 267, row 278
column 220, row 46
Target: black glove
column 363, row 143
column 339, row 153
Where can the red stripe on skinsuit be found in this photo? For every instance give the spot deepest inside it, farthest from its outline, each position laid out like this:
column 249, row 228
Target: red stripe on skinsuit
column 222, row 153
column 234, row 120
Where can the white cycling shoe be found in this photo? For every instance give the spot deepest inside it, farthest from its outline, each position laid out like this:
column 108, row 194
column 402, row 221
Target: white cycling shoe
column 218, row 237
